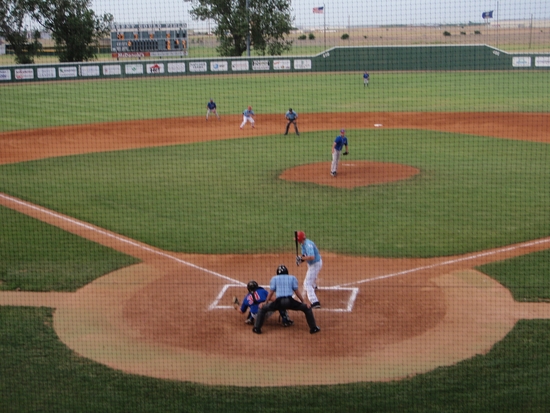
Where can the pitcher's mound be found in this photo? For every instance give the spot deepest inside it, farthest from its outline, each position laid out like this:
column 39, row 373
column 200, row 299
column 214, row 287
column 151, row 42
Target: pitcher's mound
column 351, row 174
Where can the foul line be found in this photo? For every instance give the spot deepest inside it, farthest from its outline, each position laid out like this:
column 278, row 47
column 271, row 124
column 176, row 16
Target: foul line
column 450, row 262
column 117, row 237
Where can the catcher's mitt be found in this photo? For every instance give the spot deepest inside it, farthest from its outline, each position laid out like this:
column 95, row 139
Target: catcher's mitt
column 236, row 303
column 345, row 153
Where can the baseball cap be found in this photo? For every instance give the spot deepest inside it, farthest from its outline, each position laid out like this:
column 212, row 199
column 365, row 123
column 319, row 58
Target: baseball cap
column 342, row 131
column 250, row 107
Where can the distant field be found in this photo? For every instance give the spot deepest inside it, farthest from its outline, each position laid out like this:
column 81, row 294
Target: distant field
column 520, row 39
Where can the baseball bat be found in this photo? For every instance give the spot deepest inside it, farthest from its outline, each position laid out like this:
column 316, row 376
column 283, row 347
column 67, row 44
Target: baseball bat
column 296, row 241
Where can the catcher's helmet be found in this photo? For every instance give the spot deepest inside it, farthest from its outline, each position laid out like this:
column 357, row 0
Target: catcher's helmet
column 252, row 286
column 300, row 236
column 281, row 269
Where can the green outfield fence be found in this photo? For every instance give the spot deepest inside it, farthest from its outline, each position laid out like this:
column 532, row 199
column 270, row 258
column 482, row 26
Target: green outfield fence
column 344, row 59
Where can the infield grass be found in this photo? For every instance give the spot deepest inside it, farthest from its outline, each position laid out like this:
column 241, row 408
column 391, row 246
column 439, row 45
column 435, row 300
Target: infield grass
column 472, row 193
column 40, row 105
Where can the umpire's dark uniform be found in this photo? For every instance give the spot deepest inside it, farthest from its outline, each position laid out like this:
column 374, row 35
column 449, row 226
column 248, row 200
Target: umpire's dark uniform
column 284, row 285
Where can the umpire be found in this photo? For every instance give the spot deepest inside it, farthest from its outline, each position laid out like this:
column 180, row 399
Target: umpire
column 291, row 117
column 284, row 285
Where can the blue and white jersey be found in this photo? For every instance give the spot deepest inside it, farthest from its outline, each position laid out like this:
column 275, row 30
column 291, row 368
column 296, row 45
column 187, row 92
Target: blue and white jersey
column 284, row 285
column 366, row 76
column 211, row 105
column 340, row 141
column 253, row 299
column 309, row 249
column 291, row 115
column 248, row 113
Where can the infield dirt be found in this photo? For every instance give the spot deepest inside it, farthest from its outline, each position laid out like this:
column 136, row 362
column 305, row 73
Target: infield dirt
column 157, row 318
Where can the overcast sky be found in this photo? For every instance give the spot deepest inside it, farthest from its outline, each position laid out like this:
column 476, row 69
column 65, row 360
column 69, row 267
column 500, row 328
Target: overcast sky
column 344, row 12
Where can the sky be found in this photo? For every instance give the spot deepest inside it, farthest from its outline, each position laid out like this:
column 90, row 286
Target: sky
column 343, row 13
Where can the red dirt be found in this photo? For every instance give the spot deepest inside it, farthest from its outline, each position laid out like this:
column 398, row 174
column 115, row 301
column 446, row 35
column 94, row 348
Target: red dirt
column 409, row 317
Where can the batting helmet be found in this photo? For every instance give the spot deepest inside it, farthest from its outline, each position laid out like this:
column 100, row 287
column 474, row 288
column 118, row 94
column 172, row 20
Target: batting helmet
column 281, row 269
column 252, row 286
column 300, row 236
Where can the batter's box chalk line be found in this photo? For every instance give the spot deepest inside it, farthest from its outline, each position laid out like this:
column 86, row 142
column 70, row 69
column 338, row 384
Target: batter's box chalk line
column 347, row 308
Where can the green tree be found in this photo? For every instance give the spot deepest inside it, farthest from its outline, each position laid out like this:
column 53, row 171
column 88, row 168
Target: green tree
column 14, row 16
column 268, row 21
column 75, row 28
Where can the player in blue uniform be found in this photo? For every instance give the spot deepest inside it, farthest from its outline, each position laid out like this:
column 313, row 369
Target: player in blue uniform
column 366, row 77
column 284, row 286
column 310, row 254
column 211, row 108
column 291, row 116
column 340, row 141
column 248, row 116
column 252, row 300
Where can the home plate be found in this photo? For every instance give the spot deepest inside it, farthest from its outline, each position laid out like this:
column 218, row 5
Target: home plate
column 377, row 125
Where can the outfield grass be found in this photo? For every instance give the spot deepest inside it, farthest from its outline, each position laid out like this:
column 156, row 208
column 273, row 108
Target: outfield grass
column 40, row 105
column 470, row 195
column 40, row 374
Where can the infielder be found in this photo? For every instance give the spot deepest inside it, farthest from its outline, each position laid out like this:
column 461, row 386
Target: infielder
column 291, row 116
column 252, row 300
column 284, row 285
column 211, row 108
column 366, row 79
column 248, row 116
column 337, row 147
column 310, row 254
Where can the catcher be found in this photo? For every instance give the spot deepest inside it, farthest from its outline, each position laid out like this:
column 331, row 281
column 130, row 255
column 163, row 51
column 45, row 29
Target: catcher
column 339, row 143
column 255, row 296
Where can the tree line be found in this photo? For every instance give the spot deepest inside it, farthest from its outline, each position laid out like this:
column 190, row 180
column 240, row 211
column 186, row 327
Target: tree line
column 76, row 29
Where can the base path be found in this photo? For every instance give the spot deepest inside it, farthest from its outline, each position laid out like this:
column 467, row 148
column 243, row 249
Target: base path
column 170, row 315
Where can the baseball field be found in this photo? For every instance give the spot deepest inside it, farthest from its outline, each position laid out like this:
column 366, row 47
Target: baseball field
column 129, row 222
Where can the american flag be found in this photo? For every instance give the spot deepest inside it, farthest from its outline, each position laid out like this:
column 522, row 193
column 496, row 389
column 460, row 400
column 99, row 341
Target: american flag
column 318, row 10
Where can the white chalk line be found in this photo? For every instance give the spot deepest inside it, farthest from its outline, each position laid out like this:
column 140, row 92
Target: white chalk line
column 347, row 309
column 450, row 262
column 117, row 237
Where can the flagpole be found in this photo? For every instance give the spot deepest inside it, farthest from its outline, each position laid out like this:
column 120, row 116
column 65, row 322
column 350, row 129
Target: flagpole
column 325, row 25
column 497, row 25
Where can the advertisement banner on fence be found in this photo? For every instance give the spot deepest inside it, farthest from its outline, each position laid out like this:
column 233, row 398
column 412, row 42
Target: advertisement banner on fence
column 89, row 71
column 176, row 67
column 112, row 70
column 542, row 61
column 302, row 64
column 219, row 66
column 155, row 68
column 135, row 69
column 68, row 72
column 197, row 67
column 281, row 65
column 45, row 73
column 260, row 65
column 521, row 61
column 5, row 74
column 24, row 74
column 240, row 65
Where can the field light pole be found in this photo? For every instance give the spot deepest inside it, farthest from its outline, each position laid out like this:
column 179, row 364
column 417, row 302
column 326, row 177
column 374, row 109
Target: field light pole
column 248, row 29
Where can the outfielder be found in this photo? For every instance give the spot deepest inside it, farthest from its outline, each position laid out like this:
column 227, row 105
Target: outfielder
column 248, row 116
column 291, row 116
column 252, row 300
column 366, row 77
column 337, row 147
column 211, row 108
column 284, row 285
column 310, row 254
